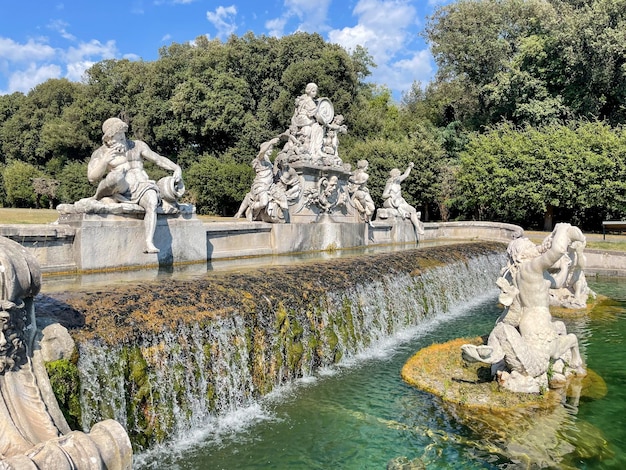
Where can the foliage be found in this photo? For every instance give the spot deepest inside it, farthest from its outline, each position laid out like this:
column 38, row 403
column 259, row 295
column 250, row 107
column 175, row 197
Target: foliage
column 218, row 185
column 45, row 188
column 527, row 175
column 202, row 98
column 18, row 183
column 74, row 184
column 528, row 61
column 65, row 382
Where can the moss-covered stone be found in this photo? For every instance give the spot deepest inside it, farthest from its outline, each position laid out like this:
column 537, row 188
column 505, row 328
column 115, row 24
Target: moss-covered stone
column 287, row 325
column 533, row 429
column 65, row 381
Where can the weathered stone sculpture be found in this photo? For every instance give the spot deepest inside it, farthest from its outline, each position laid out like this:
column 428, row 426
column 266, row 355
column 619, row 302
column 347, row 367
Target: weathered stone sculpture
column 526, row 343
column 273, row 188
column 124, row 187
column 360, row 194
column 309, row 179
column 33, row 432
column 570, row 289
column 394, row 203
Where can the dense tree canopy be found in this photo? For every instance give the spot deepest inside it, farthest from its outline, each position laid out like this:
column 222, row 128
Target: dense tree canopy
column 529, row 61
column 532, row 176
column 522, row 122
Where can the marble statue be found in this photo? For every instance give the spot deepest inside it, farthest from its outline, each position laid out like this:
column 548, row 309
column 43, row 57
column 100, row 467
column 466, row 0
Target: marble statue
column 33, row 432
column 313, row 134
column 360, row 194
column 327, row 196
column 308, row 176
column 526, row 343
column 396, row 205
column 569, row 288
column 273, row 188
column 305, row 121
column 117, row 167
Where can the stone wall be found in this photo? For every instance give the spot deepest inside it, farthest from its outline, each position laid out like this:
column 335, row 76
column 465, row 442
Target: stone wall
column 102, row 243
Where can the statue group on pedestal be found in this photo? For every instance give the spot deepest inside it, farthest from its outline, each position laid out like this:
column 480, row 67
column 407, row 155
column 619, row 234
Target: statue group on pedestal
column 117, row 166
column 526, row 345
column 124, row 187
column 312, row 140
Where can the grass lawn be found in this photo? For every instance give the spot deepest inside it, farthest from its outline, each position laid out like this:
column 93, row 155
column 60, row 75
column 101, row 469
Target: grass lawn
column 27, row 216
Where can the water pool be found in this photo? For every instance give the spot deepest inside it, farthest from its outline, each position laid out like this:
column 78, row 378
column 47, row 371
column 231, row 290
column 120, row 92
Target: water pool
column 361, row 415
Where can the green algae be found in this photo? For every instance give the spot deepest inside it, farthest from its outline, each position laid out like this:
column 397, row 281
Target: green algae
column 65, row 381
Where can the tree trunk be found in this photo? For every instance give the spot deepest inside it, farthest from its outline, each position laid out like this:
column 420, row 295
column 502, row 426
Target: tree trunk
column 548, row 218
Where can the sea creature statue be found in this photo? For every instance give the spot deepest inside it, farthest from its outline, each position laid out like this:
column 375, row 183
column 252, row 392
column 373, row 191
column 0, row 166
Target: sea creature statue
column 33, row 432
column 526, row 343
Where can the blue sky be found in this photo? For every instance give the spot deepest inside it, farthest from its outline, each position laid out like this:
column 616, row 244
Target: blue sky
column 42, row 39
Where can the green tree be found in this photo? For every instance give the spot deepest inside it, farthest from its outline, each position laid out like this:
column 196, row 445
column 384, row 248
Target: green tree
column 18, row 183
column 530, row 61
column 73, row 183
column 535, row 177
column 218, row 186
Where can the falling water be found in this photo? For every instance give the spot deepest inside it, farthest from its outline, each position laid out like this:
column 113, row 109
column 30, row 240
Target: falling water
column 162, row 385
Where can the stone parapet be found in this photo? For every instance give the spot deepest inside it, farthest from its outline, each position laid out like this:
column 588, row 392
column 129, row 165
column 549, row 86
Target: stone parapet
column 101, row 242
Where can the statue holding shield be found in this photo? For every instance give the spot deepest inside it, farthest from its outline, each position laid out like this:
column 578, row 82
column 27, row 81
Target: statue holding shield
column 310, row 123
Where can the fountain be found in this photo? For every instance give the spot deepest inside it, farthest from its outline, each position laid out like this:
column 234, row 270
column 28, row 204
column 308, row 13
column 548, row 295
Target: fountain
column 150, row 362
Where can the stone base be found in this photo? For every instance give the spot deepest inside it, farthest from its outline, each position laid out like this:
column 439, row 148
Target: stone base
column 395, row 230
column 109, row 241
column 297, row 238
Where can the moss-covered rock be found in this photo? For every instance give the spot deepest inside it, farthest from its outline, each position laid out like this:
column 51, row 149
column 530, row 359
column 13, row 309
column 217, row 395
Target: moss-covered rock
column 536, row 430
column 65, row 381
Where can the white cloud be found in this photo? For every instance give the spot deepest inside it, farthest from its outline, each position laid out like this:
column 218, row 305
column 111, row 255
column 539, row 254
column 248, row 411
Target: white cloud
column 311, row 16
column 59, row 26
column 80, row 58
column 36, row 61
column 401, row 74
column 223, row 19
column 76, row 71
column 93, row 49
column 32, row 50
column 382, row 27
column 24, row 80
column 386, row 28
column 276, row 27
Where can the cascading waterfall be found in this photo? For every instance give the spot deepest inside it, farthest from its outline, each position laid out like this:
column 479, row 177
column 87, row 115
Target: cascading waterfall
column 164, row 384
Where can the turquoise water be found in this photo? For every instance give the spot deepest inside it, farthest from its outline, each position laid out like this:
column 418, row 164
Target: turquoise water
column 362, row 415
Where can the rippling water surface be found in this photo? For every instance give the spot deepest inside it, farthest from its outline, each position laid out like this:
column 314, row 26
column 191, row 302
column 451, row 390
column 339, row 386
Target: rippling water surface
column 361, row 415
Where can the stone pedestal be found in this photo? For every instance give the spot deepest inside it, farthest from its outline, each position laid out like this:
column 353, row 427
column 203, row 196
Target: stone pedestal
column 296, row 238
column 314, row 206
column 106, row 241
